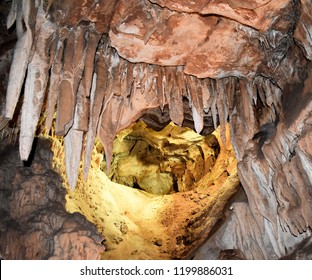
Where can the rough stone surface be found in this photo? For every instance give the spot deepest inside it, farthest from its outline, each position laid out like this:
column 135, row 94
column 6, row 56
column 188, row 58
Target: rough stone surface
column 206, row 46
column 140, row 225
column 155, row 55
column 173, row 159
column 34, row 222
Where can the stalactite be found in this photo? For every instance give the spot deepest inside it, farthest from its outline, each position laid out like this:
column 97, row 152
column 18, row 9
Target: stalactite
column 168, row 83
column 82, row 109
column 111, row 64
column 129, row 79
column 99, row 87
column 214, row 110
column 260, row 90
column 221, row 106
column 92, row 44
column 109, row 126
column 35, row 88
column 20, row 58
column 195, row 103
column 173, row 96
column 12, row 14
column 65, row 103
column 206, row 95
column 74, row 57
column 73, row 148
column 176, row 112
column 92, row 128
column 158, row 72
column 148, row 86
column 231, row 93
column 123, row 77
column 55, row 76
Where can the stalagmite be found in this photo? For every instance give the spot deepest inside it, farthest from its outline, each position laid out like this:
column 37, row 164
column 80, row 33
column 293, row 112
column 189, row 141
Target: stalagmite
column 20, row 59
column 35, row 88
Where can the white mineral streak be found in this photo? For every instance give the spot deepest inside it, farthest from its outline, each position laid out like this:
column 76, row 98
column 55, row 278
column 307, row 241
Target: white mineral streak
column 20, row 60
column 35, row 87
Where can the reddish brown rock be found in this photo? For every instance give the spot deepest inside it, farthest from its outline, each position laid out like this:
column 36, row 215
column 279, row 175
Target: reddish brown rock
column 207, row 46
column 71, row 13
column 258, row 14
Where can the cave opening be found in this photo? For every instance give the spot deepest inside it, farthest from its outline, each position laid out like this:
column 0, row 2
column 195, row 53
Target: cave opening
column 161, row 162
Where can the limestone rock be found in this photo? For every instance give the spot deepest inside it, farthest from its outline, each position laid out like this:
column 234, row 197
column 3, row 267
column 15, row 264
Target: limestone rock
column 140, row 225
column 34, row 223
column 163, row 162
column 142, row 32
column 131, row 58
column 250, row 13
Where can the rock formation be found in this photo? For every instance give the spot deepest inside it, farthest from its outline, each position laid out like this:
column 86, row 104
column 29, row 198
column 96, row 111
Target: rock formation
column 34, row 222
column 103, row 65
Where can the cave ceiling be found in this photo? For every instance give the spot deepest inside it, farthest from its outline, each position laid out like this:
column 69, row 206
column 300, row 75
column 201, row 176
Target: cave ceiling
column 95, row 67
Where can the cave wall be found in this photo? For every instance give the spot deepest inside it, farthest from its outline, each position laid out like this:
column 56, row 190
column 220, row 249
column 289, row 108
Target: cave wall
column 34, row 221
column 245, row 63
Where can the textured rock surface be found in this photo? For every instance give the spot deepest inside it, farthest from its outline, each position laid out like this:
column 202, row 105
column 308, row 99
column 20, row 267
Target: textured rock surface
column 34, row 222
column 173, row 159
column 136, row 56
column 206, row 46
column 139, row 225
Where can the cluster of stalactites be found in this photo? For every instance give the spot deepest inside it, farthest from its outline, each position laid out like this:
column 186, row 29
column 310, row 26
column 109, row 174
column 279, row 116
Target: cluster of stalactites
column 95, row 92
